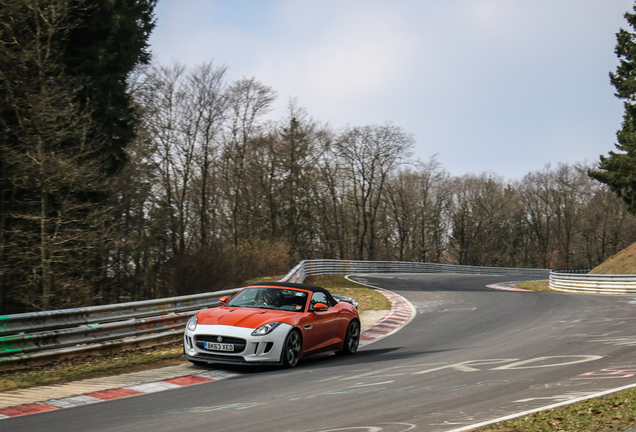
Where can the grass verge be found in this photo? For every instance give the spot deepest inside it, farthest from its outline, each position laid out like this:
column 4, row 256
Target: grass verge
column 368, row 299
column 92, row 367
column 164, row 355
column 535, row 286
column 615, row 412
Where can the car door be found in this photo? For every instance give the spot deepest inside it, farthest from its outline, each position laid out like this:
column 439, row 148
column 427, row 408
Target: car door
column 325, row 326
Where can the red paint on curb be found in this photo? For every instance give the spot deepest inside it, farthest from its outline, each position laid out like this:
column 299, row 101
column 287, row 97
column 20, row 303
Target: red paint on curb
column 397, row 321
column 26, row 409
column 388, row 324
column 398, row 316
column 188, row 380
column 379, row 331
column 114, row 394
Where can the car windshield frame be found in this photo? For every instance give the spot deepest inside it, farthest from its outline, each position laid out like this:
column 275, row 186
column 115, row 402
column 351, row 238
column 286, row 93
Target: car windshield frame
column 272, row 298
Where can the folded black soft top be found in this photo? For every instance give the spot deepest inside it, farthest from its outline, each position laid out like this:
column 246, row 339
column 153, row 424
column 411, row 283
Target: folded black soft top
column 307, row 287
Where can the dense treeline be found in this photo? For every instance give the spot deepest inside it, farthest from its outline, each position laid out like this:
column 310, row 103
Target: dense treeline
column 184, row 184
column 66, row 122
column 214, row 179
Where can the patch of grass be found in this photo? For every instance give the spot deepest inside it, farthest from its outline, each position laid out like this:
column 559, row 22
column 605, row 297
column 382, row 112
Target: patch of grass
column 368, row 299
column 535, row 285
column 623, row 262
column 92, row 367
column 608, row 413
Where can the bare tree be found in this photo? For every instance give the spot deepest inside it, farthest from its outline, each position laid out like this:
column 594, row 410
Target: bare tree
column 370, row 153
column 605, row 227
column 206, row 113
column 329, row 198
column 435, row 197
column 479, row 218
column 248, row 101
column 163, row 101
column 534, row 193
column 553, row 201
column 403, row 208
column 569, row 196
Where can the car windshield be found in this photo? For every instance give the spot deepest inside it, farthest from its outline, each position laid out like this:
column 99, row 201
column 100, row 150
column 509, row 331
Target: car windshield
column 270, row 298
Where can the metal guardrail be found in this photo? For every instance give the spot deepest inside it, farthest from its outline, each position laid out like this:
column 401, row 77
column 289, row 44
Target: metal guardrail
column 592, row 283
column 321, row 267
column 46, row 336
column 64, row 318
column 40, row 336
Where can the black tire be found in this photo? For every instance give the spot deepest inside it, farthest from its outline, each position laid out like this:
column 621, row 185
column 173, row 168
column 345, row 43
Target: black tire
column 352, row 339
column 292, row 349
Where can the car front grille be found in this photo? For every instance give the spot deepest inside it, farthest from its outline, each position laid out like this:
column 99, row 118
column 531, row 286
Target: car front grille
column 239, row 344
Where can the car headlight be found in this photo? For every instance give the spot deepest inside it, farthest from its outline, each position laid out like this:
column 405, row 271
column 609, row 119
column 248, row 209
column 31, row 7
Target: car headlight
column 192, row 323
column 265, row 329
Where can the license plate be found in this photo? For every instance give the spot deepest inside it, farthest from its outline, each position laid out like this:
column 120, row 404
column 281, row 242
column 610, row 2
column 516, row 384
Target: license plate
column 218, row 346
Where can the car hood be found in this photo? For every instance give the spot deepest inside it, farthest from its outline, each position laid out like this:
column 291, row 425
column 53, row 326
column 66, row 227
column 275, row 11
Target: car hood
column 244, row 317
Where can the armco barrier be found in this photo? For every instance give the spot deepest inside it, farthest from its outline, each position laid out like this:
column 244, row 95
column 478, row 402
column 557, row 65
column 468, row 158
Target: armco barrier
column 43, row 336
column 592, row 283
column 46, row 336
column 321, row 267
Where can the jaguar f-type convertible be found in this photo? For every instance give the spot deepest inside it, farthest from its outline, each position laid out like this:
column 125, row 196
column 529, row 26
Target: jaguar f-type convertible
column 273, row 323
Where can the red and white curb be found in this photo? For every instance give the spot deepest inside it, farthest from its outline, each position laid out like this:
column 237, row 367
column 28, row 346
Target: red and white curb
column 505, row 287
column 402, row 312
column 118, row 393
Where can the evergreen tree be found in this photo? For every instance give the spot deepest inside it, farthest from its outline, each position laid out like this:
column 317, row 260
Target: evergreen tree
column 109, row 39
column 65, row 123
column 618, row 170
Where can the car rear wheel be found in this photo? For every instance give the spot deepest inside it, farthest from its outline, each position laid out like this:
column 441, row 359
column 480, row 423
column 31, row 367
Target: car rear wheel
column 292, row 349
column 352, row 338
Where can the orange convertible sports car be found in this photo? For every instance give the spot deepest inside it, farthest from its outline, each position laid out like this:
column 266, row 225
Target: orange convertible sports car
column 273, row 323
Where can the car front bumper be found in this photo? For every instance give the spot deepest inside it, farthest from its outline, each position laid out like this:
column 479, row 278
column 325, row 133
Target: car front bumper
column 248, row 349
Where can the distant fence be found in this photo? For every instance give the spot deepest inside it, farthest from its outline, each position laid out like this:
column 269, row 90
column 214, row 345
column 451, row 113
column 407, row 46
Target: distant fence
column 592, row 283
column 40, row 337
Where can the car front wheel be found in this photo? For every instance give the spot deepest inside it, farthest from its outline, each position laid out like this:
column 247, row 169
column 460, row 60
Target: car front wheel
column 292, row 349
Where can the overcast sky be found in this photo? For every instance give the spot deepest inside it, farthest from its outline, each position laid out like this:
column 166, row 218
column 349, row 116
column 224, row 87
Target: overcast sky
column 499, row 86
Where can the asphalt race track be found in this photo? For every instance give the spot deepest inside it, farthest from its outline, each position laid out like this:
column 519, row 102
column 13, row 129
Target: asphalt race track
column 471, row 354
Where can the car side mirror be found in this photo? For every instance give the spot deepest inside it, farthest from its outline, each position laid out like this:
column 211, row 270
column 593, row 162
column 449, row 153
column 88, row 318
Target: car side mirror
column 223, row 300
column 320, row 307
